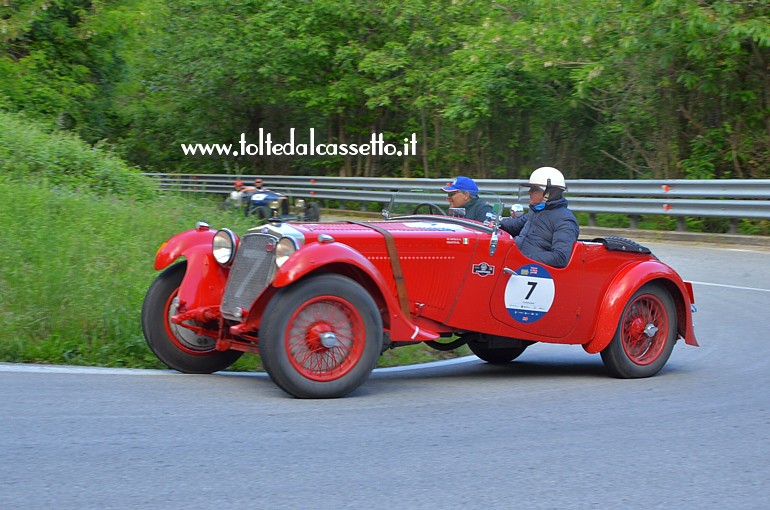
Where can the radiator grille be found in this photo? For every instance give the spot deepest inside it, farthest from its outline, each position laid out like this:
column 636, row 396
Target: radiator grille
column 250, row 273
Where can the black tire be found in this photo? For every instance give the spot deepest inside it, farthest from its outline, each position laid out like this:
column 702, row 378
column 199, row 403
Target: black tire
column 201, row 357
column 263, row 213
column 283, row 206
column 312, row 211
column 299, row 363
column 495, row 355
column 645, row 336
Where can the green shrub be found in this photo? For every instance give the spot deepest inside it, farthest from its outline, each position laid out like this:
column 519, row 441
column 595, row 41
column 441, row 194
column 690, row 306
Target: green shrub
column 32, row 150
column 650, row 222
column 754, row 227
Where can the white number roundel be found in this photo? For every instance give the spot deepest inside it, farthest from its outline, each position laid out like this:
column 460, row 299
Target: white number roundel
column 529, row 293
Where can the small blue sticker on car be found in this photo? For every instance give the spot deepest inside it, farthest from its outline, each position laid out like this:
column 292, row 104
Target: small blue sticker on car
column 529, row 293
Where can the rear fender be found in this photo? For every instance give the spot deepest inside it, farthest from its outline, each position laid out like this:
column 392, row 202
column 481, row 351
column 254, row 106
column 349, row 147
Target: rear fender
column 326, row 257
column 204, row 281
column 628, row 281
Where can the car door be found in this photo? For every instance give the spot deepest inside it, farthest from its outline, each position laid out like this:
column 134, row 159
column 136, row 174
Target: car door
column 538, row 299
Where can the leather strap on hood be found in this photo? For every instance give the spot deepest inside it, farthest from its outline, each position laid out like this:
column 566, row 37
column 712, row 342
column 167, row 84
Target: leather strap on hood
column 395, row 264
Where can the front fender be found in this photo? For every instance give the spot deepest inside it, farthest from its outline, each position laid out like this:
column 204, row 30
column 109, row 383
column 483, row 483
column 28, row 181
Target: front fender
column 204, row 281
column 316, row 256
column 623, row 286
column 179, row 244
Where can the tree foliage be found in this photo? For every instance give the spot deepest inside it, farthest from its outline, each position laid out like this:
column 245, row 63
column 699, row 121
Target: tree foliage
column 492, row 88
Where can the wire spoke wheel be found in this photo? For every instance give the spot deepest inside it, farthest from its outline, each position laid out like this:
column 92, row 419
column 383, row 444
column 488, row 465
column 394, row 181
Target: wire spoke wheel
column 176, row 346
column 645, row 329
column 645, row 335
column 321, row 337
column 185, row 339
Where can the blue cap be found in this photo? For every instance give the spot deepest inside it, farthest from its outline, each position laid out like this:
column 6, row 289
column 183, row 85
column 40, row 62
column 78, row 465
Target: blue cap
column 462, row 183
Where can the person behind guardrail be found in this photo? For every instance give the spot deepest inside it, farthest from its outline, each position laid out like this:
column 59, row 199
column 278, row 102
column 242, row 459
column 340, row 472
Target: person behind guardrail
column 464, row 193
column 259, row 185
column 248, row 191
column 547, row 233
column 235, row 197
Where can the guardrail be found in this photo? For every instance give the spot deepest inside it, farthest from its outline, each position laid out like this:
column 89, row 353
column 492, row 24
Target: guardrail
column 733, row 199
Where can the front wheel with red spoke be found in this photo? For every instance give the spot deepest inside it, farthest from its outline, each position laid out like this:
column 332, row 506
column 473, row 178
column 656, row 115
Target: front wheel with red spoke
column 321, row 337
column 178, row 347
column 645, row 336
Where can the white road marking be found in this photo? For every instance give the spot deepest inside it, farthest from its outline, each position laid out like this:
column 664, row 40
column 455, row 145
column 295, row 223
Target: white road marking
column 739, row 287
column 70, row 369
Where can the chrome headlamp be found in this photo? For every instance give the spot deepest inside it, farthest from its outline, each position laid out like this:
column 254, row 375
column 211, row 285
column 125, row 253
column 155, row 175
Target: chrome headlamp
column 223, row 246
column 284, row 249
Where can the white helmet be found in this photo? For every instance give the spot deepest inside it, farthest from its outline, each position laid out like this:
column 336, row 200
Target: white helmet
column 547, row 177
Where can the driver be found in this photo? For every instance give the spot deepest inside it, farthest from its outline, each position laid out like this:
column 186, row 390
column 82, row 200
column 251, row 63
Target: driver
column 463, row 193
column 250, row 190
column 549, row 230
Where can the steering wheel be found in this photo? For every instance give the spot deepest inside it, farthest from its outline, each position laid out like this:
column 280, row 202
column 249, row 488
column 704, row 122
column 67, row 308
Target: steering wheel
column 432, row 208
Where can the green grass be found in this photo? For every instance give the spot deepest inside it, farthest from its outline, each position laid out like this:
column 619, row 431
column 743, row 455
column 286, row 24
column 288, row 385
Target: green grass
column 74, row 272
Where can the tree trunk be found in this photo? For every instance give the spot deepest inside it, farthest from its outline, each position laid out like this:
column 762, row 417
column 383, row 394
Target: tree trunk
column 424, row 129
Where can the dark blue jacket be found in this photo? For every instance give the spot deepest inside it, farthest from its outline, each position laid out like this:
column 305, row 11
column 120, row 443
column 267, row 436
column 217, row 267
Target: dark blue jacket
column 477, row 209
column 546, row 236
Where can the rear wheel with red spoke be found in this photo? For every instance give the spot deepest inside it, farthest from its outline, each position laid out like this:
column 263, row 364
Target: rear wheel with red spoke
column 645, row 336
column 321, row 337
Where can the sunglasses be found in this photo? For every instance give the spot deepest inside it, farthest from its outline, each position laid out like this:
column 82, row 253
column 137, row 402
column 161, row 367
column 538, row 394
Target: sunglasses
column 533, row 189
column 453, row 193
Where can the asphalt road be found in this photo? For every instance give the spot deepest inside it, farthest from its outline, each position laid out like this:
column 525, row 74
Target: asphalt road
column 550, row 430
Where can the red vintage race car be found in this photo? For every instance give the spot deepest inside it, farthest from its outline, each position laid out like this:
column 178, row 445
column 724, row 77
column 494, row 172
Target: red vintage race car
column 321, row 301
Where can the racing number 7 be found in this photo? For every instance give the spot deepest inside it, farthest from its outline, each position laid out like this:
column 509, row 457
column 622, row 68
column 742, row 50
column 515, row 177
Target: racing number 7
column 525, row 304
column 531, row 290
